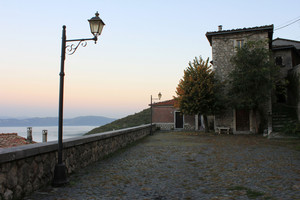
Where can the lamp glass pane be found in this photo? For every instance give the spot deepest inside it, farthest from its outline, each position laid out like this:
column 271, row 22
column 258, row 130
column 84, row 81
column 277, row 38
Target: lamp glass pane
column 94, row 26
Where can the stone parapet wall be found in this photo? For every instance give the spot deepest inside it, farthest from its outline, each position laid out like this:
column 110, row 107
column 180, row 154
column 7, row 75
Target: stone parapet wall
column 165, row 126
column 25, row 169
column 171, row 126
column 189, row 127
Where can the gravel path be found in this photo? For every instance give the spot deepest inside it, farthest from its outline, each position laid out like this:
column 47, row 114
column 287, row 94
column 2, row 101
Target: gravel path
column 180, row 166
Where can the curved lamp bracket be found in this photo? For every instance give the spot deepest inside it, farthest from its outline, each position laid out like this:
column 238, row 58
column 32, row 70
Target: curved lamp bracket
column 71, row 49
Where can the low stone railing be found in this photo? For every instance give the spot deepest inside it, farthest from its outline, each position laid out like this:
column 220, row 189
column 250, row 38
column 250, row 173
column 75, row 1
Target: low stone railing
column 27, row 168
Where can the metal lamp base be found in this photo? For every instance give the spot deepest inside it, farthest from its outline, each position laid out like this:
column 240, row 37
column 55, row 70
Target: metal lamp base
column 60, row 175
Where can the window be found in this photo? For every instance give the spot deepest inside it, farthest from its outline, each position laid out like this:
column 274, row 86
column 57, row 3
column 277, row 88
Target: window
column 239, row 44
column 278, row 60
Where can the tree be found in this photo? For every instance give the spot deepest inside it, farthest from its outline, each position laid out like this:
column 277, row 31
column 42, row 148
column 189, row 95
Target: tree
column 252, row 78
column 196, row 90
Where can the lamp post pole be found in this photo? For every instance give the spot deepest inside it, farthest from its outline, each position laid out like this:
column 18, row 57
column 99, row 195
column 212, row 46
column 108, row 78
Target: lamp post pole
column 151, row 112
column 96, row 25
column 61, row 95
column 151, row 116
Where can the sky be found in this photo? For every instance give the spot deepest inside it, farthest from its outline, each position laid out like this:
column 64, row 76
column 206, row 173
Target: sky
column 143, row 50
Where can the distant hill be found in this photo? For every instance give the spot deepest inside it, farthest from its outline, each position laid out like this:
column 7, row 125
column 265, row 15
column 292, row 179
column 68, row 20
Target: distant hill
column 53, row 121
column 136, row 119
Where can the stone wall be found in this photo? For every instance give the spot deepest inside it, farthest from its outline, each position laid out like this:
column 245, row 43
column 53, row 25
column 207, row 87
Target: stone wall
column 189, row 122
column 224, row 47
column 25, row 169
column 225, row 119
column 287, row 61
column 296, row 71
column 165, row 126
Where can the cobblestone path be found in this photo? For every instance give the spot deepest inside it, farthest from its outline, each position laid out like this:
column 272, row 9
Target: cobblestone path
column 180, row 166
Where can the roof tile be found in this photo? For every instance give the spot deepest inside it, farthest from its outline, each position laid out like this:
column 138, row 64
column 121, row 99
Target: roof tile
column 11, row 140
column 165, row 103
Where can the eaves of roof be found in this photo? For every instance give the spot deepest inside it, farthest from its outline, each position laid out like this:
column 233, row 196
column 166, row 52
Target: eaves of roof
column 268, row 28
column 285, row 47
column 279, row 47
column 165, row 103
column 286, row 40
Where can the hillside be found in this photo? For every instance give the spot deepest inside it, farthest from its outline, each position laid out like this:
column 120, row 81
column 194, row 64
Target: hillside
column 136, row 119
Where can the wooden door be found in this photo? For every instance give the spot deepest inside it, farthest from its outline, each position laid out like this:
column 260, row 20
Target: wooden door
column 242, row 120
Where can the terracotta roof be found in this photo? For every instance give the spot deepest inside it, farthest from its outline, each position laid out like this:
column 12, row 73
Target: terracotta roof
column 12, row 140
column 268, row 28
column 165, row 103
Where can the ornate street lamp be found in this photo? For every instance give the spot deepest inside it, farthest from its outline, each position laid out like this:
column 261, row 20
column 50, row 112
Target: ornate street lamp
column 159, row 97
column 96, row 25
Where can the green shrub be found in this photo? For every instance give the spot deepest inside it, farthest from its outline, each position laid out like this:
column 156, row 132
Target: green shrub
column 291, row 128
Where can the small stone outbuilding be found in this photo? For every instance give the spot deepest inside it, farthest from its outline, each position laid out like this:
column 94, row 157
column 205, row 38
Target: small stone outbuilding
column 167, row 117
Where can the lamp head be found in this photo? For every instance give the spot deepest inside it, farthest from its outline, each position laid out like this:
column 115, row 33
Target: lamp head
column 96, row 25
column 159, row 95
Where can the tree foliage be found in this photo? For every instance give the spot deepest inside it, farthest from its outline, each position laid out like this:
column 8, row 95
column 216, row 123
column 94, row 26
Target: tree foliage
column 253, row 76
column 196, row 90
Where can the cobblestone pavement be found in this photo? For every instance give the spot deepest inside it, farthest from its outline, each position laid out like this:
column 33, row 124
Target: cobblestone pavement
column 180, row 166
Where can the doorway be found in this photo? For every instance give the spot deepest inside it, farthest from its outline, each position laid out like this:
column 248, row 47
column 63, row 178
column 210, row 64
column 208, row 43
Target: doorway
column 178, row 120
column 242, row 120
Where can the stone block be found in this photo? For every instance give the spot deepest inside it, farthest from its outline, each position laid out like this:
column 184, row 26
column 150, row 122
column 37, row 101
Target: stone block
column 18, row 193
column 12, row 178
column 2, row 182
column 8, row 195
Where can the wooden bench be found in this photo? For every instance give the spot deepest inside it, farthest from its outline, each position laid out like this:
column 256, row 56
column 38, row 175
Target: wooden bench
column 220, row 128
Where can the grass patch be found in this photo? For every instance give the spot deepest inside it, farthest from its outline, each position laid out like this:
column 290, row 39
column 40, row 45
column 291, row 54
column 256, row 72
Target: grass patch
column 190, row 159
column 297, row 147
column 289, row 143
column 252, row 194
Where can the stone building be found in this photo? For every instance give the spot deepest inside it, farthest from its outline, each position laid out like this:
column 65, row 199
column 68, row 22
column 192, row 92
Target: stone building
column 224, row 44
column 287, row 56
column 167, row 117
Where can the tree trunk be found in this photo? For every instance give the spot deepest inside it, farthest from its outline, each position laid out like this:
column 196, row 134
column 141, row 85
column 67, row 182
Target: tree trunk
column 205, row 123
